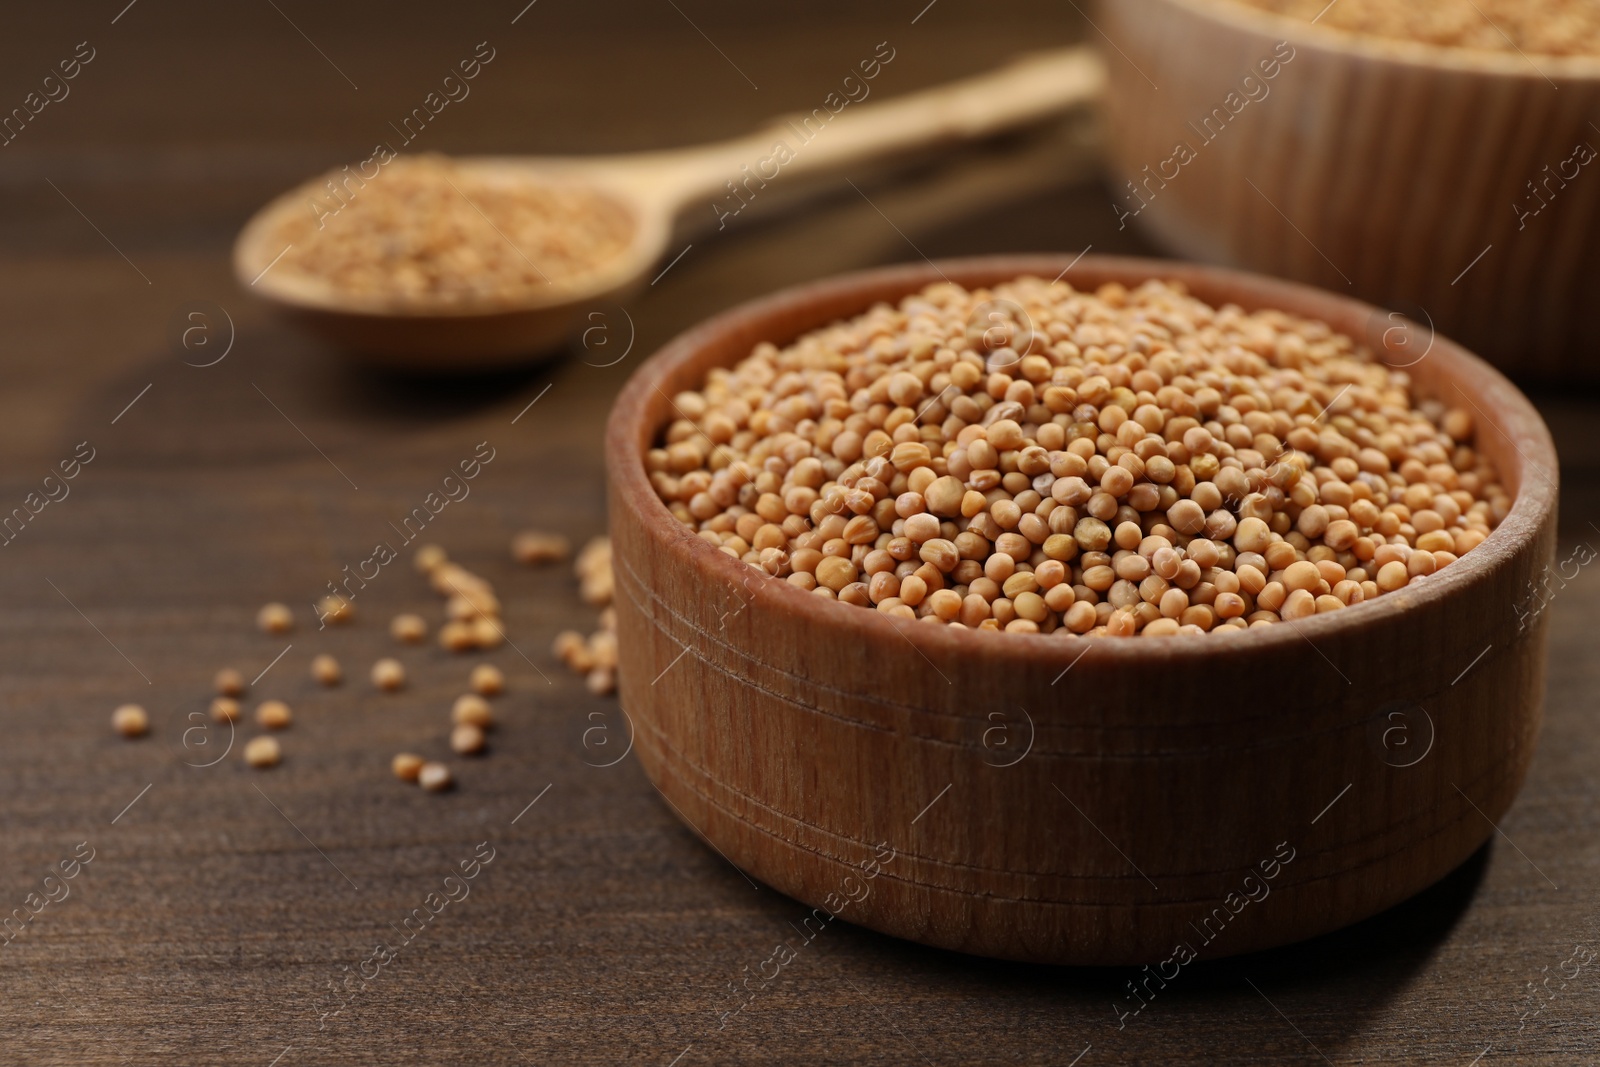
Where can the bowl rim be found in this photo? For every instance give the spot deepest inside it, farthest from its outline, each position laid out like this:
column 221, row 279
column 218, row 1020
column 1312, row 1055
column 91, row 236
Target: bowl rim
column 1366, row 46
column 1532, row 510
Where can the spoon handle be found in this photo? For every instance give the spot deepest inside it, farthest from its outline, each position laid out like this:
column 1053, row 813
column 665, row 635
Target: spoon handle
column 727, row 174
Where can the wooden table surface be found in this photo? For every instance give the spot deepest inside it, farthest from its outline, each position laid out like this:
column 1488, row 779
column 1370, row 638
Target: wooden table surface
column 222, row 905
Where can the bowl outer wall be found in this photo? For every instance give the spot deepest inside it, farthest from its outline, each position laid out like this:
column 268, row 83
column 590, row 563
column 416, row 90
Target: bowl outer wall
column 1388, row 169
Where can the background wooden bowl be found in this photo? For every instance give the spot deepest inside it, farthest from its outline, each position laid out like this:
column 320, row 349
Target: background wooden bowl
column 1374, row 167
column 1042, row 798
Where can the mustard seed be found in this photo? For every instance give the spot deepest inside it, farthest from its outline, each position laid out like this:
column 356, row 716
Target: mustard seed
column 434, row 777
column 486, row 680
column 1186, row 517
column 130, row 720
column 449, row 578
column 229, row 683
column 468, row 740
column 325, row 670
column 603, row 647
column 942, row 497
column 1392, row 576
column 1301, row 575
column 567, row 644
column 457, row 636
column 472, row 603
column 601, row 681
column 275, row 618
column 1298, row 604
column 598, row 587
column 486, row 632
column 224, row 709
column 534, row 547
column 472, row 708
column 408, row 629
column 406, row 766
column 595, row 553
column 263, row 752
column 835, row 573
column 274, row 714
column 429, row 558
column 389, row 675
column 336, row 609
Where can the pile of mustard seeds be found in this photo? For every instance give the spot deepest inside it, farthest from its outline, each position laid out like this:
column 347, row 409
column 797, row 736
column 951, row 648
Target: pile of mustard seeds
column 1037, row 459
column 1540, row 27
column 425, row 232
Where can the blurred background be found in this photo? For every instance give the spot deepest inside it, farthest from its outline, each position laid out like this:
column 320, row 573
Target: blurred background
column 192, row 116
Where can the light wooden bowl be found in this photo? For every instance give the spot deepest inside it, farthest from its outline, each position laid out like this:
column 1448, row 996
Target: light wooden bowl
column 799, row 735
column 1381, row 168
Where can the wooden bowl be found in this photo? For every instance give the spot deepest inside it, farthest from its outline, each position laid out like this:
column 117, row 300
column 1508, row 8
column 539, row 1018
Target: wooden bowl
column 1063, row 800
column 1375, row 167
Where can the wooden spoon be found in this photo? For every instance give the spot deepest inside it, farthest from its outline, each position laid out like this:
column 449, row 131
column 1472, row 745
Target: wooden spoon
column 654, row 188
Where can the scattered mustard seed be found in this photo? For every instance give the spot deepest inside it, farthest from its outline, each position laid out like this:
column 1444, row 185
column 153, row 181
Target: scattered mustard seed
column 566, row 643
column 457, row 636
column 573, row 650
column 472, row 609
column 595, row 553
column 263, row 752
column 597, row 589
column 602, row 681
column 335, row 609
column 486, row 632
column 325, row 670
column 406, row 766
column 130, row 720
column 472, row 709
column 487, row 680
column 274, row 714
column 594, row 657
column 429, row 558
column 448, row 579
column 603, row 649
column 275, row 618
column 472, row 603
column 229, row 683
column 389, row 675
column 535, row 547
column 408, row 629
column 468, row 740
column 434, row 777
column 224, row 709
column 593, row 568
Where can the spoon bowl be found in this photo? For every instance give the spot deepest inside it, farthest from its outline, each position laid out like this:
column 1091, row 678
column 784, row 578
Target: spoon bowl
column 474, row 334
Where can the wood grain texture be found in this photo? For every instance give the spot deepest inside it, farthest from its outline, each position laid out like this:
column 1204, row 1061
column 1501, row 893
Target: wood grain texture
column 1380, row 168
column 797, row 734
column 604, row 932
